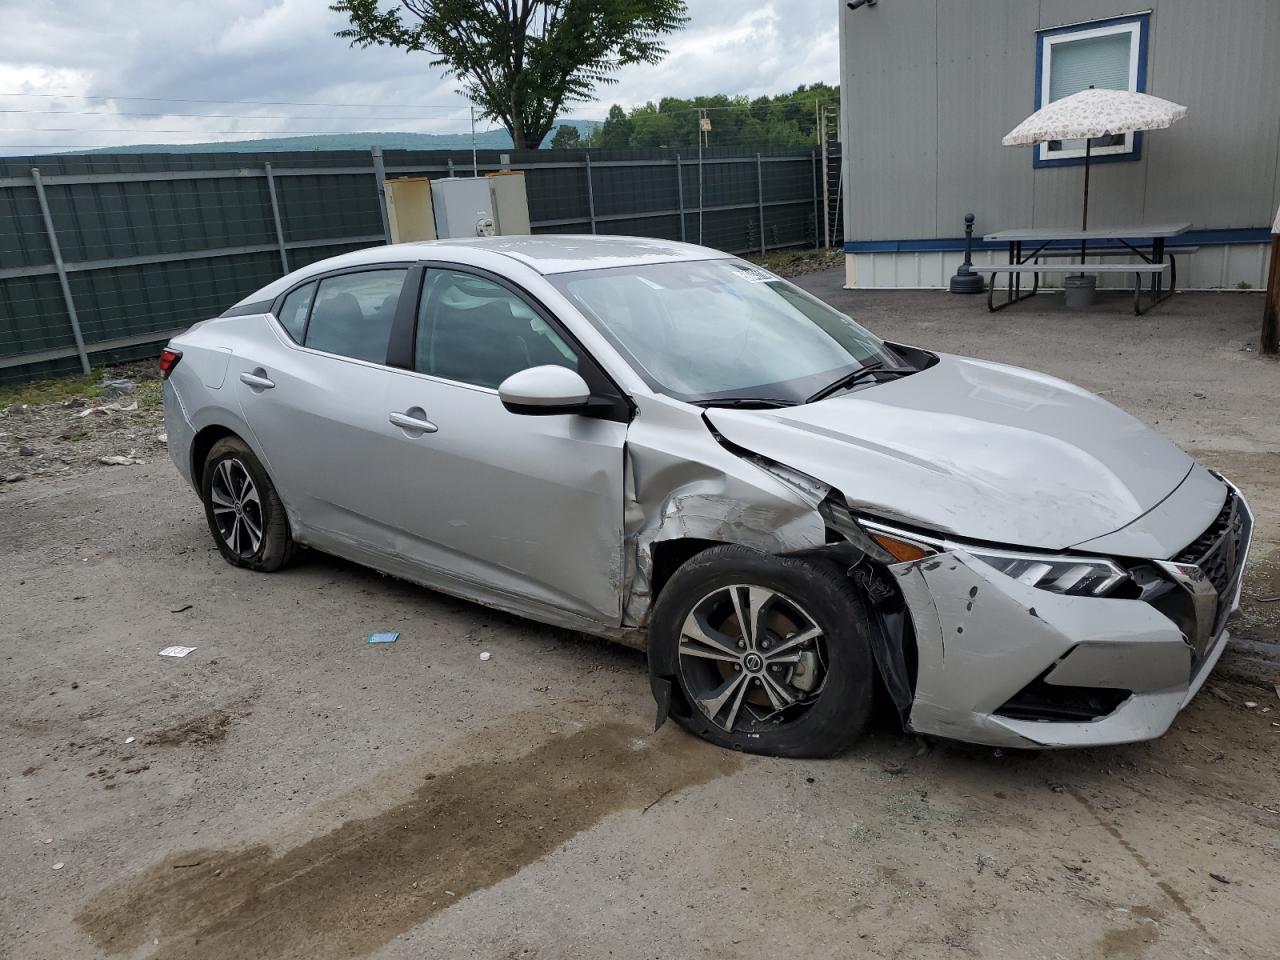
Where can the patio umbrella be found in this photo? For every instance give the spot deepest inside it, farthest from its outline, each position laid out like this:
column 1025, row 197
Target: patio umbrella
column 1094, row 113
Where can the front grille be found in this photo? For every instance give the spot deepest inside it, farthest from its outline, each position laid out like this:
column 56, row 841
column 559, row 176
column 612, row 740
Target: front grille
column 1218, row 552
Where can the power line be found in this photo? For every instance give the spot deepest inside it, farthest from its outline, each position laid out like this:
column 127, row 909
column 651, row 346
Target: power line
column 146, row 131
column 199, row 116
column 257, row 103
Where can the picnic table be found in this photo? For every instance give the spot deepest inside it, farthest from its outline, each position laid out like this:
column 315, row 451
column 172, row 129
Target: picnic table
column 1029, row 247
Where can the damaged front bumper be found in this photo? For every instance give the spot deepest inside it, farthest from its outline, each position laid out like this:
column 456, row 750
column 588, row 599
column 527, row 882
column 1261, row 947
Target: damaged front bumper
column 1007, row 664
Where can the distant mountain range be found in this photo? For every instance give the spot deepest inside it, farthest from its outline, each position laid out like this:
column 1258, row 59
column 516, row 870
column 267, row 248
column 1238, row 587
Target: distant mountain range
column 488, row 140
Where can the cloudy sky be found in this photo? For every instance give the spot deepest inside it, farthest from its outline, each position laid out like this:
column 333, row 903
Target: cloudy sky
column 98, row 72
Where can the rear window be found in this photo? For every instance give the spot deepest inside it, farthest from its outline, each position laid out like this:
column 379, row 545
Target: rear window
column 353, row 312
column 294, row 310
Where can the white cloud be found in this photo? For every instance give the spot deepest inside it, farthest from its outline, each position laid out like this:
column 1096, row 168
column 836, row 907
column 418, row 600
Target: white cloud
column 231, row 51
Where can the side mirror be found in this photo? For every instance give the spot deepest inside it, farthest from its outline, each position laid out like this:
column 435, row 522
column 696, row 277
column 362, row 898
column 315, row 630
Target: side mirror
column 544, row 391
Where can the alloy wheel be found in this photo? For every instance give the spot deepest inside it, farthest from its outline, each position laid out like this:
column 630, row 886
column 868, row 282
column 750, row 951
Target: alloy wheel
column 750, row 657
column 237, row 508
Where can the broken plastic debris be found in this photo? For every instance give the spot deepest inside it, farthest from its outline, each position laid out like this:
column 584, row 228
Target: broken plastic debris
column 108, row 407
column 118, row 461
column 390, row 636
column 47, row 840
column 1251, row 704
column 176, row 651
column 130, row 739
column 59, row 865
column 486, row 655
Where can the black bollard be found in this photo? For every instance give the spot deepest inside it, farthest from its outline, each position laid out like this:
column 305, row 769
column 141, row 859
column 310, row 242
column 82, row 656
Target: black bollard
column 965, row 280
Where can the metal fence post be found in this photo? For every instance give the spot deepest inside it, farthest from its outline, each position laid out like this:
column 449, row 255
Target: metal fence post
column 591, row 197
column 826, row 185
column 680, row 191
column 760, row 199
column 700, row 183
column 62, row 270
column 380, row 178
column 275, row 215
column 817, row 233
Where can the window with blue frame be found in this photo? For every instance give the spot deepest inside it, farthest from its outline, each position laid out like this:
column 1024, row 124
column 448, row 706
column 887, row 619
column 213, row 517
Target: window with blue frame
column 1107, row 54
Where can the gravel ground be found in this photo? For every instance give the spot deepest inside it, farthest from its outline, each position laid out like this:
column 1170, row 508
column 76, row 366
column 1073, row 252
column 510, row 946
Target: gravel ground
column 288, row 790
column 86, row 422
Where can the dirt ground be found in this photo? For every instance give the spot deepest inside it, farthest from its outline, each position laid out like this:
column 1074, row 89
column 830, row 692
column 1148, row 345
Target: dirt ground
column 288, row 790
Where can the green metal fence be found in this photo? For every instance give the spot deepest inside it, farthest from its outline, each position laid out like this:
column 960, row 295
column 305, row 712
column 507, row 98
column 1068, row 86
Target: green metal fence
column 104, row 256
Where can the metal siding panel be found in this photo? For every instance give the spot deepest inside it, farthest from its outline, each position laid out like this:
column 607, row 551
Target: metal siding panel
column 986, row 86
column 1217, row 167
column 890, row 93
column 1055, row 13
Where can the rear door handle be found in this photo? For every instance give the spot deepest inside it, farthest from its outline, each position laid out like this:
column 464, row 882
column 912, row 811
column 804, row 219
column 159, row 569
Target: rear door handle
column 257, row 382
column 413, row 420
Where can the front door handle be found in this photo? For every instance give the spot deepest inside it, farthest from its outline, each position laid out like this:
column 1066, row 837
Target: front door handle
column 256, row 381
column 414, row 420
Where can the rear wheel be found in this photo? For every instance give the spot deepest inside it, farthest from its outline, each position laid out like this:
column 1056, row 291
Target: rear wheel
column 767, row 654
column 244, row 512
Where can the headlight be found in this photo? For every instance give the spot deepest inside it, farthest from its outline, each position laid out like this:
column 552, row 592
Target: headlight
column 1074, row 576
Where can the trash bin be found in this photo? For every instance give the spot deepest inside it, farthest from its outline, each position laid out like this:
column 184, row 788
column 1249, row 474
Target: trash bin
column 1079, row 290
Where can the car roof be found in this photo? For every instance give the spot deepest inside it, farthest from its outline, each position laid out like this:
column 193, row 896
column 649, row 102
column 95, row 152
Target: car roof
column 546, row 253
column 562, row 253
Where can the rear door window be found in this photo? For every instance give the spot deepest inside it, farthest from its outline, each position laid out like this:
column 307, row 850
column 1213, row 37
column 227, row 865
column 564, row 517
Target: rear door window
column 353, row 313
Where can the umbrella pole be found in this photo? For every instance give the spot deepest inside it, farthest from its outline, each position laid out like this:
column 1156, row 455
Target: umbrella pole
column 1084, row 221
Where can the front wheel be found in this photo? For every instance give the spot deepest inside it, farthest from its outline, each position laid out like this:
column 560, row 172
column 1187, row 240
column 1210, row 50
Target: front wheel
column 767, row 654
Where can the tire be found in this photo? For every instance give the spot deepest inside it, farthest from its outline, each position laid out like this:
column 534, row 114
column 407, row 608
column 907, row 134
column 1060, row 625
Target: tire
column 248, row 523
column 830, row 684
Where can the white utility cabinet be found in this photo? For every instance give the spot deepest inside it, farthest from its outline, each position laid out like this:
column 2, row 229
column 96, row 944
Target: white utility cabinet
column 496, row 205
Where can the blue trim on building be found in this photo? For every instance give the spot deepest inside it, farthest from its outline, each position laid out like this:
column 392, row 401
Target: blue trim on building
column 1144, row 39
column 1192, row 238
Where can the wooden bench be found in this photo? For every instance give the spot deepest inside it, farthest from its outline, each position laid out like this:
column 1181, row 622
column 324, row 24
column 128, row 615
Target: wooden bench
column 1016, row 270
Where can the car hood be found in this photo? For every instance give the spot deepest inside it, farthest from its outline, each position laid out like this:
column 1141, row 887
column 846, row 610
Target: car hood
column 978, row 450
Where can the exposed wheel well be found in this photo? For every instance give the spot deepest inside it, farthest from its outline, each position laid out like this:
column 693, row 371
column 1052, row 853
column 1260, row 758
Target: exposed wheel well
column 670, row 555
column 201, row 446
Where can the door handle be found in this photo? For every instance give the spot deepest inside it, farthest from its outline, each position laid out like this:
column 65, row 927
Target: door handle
column 257, row 382
column 417, row 424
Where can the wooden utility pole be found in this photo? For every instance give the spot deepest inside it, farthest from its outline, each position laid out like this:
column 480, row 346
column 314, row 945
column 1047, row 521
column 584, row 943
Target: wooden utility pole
column 1271, row 305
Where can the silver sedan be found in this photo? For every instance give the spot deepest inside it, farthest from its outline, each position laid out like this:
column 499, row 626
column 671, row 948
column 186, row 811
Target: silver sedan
column 670, row 447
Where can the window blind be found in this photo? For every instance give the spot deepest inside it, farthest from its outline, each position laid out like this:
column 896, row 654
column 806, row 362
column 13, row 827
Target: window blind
column 1101, row 62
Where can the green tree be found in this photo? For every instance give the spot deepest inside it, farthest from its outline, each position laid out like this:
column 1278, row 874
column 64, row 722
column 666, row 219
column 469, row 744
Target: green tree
column 615, row 132
column 566, row 138
column 783, row 119
column 521, row 61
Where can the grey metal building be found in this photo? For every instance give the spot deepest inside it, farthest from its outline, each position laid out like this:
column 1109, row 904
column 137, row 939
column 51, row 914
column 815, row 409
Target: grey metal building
column 930, row 86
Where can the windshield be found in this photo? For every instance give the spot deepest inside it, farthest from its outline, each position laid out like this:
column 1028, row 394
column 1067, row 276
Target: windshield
column 711, row 330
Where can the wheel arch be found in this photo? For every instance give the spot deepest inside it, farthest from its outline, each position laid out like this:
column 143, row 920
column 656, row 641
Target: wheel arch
column 668, row 556
column 203, row 442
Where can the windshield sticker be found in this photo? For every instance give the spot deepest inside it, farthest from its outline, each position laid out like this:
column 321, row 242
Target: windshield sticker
column 754, row 274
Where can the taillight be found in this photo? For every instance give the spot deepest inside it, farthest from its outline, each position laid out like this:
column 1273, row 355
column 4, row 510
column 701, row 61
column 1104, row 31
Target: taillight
column 168, row 360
